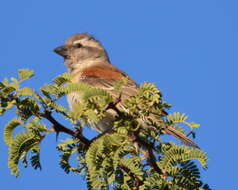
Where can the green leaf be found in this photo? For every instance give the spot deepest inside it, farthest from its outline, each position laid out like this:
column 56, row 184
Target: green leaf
column 105, row 97
column 181, row 118
column 62, row 79
column 1, row 85
column 194, row 125
column 27, row 107
column 74, row 87
column 174, row 155
column 35, row 158
column 8, row 130
column 25, row 91
column 23, row 142
column 65, row 158
column 25, row 74
column 14, row 83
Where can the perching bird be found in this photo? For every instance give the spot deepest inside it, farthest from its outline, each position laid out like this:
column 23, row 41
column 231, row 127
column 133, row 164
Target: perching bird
column 88, row 62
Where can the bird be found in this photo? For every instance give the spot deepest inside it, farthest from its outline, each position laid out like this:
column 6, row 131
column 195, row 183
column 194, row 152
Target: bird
column 88, row 62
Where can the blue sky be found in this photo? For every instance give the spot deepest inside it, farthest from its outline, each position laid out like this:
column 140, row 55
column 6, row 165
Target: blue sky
column 187, row 47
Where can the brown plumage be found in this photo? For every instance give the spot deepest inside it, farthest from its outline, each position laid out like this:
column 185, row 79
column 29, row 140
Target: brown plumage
column 88, row 62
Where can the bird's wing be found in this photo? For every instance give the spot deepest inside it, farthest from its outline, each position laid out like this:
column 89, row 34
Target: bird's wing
column 105, row 76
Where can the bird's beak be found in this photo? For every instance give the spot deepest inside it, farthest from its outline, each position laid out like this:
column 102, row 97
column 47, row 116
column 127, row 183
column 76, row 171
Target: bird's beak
column 62, row 50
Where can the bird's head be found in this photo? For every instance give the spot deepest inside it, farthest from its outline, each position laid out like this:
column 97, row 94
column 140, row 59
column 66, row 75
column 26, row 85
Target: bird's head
column 81, row 48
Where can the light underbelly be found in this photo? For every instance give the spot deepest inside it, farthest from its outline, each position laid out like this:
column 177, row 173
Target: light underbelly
column 103, row 125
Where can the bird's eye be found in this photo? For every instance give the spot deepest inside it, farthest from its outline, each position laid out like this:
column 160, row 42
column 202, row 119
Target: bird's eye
column 77, row 45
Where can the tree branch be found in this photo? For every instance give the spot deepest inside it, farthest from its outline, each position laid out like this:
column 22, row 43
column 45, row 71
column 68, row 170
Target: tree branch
column 128, row 171
column 60, row 128
column 149, row 155
column 113, row 105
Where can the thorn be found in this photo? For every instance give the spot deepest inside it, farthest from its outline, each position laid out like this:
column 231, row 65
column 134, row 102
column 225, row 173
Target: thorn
column 57, row 135
column 191, row 133
column 112, row 105
column 54, row 128
column 118, row 99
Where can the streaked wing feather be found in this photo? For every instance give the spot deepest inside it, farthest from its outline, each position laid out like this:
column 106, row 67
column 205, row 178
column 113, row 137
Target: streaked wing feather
column 105, row 76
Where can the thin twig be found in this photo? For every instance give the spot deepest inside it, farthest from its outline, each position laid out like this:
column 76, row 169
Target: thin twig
column 128, row 171
column 113, row 105
column 149, row 155
column 60, row 128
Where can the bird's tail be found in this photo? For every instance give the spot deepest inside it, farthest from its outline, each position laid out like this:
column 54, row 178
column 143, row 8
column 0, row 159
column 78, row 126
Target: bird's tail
column 180, row 136
column 167, row 129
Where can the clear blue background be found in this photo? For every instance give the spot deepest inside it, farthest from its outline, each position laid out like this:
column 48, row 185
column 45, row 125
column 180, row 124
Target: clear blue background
column 187, row 47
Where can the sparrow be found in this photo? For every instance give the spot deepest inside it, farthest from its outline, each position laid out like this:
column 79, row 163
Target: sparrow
column 87, row 61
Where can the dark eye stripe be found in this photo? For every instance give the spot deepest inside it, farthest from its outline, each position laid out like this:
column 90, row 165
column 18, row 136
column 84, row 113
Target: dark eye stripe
column 77, row 45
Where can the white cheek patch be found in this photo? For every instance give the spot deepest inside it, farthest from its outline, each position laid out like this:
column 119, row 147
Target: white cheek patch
column 77, row 41
column 81, row 41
